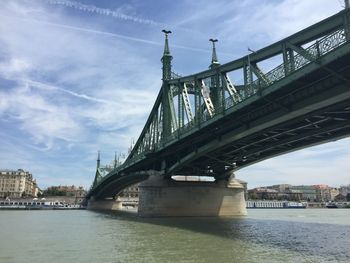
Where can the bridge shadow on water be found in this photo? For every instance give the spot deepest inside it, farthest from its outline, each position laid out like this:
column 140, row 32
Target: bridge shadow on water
column 326, row 240
column 218, row 226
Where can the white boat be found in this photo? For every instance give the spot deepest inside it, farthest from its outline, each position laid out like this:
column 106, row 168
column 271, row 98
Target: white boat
column 274, row 204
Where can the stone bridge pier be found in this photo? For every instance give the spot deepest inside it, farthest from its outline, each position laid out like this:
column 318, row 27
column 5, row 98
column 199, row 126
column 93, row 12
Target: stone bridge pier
column 109, row 204
column 161, row 197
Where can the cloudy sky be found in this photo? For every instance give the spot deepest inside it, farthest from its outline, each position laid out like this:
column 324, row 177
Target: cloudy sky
column 81, row 76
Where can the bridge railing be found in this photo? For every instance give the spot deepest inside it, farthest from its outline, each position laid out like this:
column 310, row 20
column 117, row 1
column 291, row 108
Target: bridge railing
column 320, row 48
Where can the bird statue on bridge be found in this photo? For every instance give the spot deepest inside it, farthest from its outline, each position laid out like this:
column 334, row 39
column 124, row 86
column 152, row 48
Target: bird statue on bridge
column 166, row 32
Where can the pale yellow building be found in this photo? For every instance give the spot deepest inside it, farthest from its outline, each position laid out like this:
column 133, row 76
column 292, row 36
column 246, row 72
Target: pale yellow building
column 333, row 193
column 16, row 184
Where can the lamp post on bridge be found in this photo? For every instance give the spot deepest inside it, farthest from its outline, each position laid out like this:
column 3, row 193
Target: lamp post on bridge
column 248, row 73
column 215, row 92
column 166, row 61
column 214, row 58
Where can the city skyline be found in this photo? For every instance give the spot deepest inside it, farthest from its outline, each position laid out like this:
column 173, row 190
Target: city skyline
column 78, row 77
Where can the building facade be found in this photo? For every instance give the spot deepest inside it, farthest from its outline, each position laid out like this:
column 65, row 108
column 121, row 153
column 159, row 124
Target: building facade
column 333, row 192
column 16, row 184
column 308, row 192
column 263, row 193
column 65, row 190
column 69, row 191
column 323, row 193
column 344, row 189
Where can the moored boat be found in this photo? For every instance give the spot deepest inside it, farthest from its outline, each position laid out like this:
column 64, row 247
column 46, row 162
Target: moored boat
column 331, row 205
column 274, row 204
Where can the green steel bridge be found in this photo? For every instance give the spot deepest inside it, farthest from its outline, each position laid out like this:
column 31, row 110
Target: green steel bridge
column 207, row 123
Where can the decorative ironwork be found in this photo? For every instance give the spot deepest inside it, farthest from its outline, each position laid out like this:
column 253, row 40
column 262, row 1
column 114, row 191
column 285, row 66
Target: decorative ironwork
column 319, row 48
column 175, row 75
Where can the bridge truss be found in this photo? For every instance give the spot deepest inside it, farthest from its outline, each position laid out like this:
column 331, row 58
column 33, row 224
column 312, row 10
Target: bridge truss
column 206, row 122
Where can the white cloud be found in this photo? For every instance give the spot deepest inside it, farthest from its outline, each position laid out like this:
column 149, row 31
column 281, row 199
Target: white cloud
column 103, row 11
column 14, row 66
column 274, row 20
column 38, row 117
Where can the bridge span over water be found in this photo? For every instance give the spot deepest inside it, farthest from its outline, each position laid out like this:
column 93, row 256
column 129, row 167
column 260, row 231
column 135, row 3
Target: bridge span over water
column 209, row 124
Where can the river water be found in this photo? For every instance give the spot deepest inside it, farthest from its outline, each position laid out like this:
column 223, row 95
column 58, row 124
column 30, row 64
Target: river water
column 266, row 235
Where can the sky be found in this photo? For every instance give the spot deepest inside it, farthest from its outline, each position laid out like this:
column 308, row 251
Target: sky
column 81, row 76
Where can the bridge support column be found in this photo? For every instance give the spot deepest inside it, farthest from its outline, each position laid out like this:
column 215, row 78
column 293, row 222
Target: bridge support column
column 163, row 197
column 104, row 204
